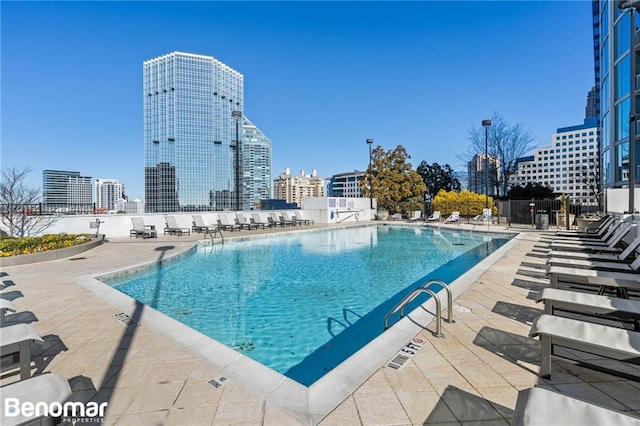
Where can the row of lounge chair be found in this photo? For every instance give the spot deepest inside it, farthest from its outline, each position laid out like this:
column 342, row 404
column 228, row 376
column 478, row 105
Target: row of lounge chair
column 591, row 317
column 15, row 350
column 224, row 223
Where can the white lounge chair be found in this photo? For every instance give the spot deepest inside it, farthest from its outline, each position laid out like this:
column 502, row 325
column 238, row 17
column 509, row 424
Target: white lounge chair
column 199, row 225
column 601, row 340
column 46, row 388
column 607, row 236
column 417, row 215
column 17, row 339
column 595, row 233
column 225, row 223
column 604, row 257
column 594, row 280
column 298, row 217
column 141, row 230
column 543, row 407
column 288, row 220
column 257, row 220
column 610, row 246
column 594, row 264
column 5, row 306
column 435, row 216
column 172, row 227
column 244, row 222
column 454, row 217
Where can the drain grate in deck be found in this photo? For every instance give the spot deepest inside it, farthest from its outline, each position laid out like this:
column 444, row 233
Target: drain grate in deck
column 124, row 319
column 217, row 383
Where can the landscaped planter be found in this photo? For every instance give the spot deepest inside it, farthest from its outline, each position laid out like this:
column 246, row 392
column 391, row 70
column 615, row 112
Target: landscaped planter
column 585, row 225
column 44, row 256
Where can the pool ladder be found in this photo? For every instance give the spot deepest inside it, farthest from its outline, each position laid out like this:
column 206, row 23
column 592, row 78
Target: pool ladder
column 425, row 289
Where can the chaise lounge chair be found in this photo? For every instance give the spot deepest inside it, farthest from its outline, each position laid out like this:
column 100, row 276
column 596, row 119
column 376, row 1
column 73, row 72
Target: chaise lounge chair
column 199, row 226
column 597, row 265
column 46, row 388
column 172, row 227
column 5, row 306
column 226, row 224
column 244, row 222
column 141, row 230
column 298, row 217
column 417, row 215
column 435, row 216
column 17, row 340
column 596, row 339
column 624, row 256
column 454, row 217
column 257, row 220
column 543, row 407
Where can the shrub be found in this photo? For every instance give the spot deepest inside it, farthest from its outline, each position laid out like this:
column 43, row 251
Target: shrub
column 15, row 246
column 467, row 203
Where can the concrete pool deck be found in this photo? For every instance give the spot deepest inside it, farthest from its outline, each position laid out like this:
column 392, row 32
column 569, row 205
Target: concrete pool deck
column 473, row 374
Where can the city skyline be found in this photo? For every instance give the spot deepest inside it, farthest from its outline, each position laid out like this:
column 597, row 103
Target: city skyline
column 321, row 78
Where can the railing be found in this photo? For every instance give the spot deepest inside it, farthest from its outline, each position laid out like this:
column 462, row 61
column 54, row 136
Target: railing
column 425, row 289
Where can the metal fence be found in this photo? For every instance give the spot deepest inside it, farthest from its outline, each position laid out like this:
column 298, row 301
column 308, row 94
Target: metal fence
column 41, row 209
column 543, row 213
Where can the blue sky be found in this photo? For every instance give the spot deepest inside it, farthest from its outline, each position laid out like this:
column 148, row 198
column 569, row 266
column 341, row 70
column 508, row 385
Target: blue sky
column 320, row 77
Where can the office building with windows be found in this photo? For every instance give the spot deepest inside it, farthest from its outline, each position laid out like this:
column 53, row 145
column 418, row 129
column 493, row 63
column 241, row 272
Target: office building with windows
column 256, row 165
column 612, row 54
column 483, row 174
column 569, row 166
column 66, row 189
column 346, row 184
column 190, row 152
column 109, row 194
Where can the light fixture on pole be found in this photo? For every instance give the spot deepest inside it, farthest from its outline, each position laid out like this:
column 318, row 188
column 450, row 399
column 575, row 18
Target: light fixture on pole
column 237, row 115
column 486, row 124
column 370, row 142
column 632, row 7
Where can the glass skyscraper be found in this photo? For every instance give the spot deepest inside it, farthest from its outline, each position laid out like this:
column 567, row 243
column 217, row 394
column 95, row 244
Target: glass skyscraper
column 256, row 165
column 612, row 49
column 189, row 133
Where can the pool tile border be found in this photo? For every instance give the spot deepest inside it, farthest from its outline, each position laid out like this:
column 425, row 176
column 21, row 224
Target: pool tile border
column 310, row 404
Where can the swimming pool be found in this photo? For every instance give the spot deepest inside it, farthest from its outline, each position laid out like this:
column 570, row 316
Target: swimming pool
column 301, row 303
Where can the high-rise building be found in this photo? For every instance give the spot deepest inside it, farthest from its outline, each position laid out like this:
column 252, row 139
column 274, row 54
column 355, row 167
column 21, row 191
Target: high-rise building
column 189, row 137
column 346, row 184
column 591, row 110
column 483, row 174
column 612, row 40
column 292, row 188
column 568, row 166
column 256, row 159
column 65, row 189
column 109, row 194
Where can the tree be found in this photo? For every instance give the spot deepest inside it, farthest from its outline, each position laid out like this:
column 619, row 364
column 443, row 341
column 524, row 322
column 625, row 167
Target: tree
column 17, row 205
column 534, row 191
column 590, row 176
column 436, row 177
column 506, row 143
column 395, row 184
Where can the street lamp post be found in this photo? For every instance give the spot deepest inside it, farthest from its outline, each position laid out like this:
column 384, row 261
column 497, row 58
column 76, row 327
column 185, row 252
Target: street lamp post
column 237, row 115
column 632, row 6
column 486, row 124
column 370, row 142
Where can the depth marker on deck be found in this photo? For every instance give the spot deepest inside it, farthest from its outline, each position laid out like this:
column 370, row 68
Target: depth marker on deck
column 407, row 352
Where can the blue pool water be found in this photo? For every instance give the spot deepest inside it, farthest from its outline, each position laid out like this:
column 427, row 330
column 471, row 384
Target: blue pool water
column 301, row 303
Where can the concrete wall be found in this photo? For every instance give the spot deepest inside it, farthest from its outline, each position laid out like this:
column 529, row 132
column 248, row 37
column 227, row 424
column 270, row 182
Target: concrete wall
column 338, row 209
column 119, row 225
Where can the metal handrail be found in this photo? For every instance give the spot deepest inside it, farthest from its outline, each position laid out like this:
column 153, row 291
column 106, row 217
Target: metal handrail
column 449, row 297
column 408, row 299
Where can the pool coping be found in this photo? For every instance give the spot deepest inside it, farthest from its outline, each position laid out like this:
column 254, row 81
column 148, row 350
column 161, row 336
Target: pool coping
column 307, row 404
